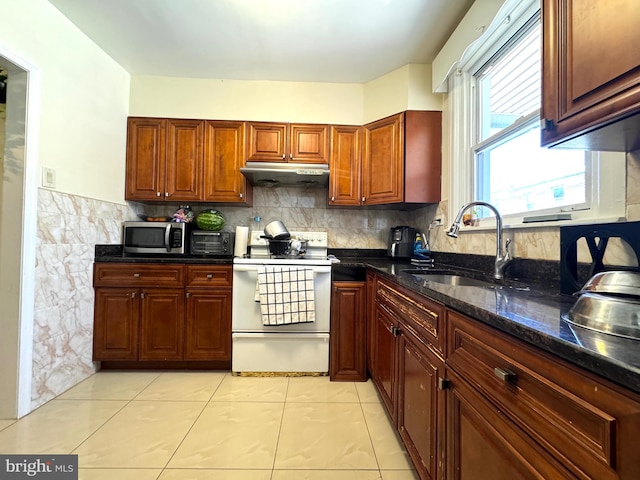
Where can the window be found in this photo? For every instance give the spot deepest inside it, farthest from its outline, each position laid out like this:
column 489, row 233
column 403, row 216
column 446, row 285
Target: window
column 511, row 170
column 495, row 101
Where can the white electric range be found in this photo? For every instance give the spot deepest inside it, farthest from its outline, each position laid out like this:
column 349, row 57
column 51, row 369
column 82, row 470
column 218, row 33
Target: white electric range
column 297, row 348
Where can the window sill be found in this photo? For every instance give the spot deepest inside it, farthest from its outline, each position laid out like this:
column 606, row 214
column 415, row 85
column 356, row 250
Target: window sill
column 506, row 225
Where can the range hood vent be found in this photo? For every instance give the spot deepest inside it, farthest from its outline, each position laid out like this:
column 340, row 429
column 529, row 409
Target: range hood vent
column 267, row 174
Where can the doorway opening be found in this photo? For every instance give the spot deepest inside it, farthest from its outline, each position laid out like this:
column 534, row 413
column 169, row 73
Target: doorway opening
column 18, row 202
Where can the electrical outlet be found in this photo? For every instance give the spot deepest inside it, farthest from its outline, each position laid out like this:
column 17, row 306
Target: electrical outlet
column 48, row 177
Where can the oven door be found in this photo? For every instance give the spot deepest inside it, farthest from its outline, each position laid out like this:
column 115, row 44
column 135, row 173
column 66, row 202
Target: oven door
column 246, row 315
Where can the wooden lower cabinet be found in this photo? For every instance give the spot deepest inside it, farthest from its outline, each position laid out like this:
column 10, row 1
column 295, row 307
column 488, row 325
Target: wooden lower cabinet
column 473, row 403
column 385, row 359
column 116, row 324
column 347, row 360
column 421, row 405
column 136, row 322
column 162, row 324
column 208, row 325
column 483, row 444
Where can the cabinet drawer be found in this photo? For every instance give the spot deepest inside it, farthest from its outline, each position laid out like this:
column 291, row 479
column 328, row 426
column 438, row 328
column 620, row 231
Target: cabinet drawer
column 209, row 276
column 137, row 275
column 425, row 317
column 584, row 422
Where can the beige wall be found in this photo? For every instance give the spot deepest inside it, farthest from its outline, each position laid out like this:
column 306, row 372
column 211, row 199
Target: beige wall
column 246, row 100
column 406, row 88
column 85, row 99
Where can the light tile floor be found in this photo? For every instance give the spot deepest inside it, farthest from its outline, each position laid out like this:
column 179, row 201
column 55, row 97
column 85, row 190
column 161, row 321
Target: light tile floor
column 212, row 425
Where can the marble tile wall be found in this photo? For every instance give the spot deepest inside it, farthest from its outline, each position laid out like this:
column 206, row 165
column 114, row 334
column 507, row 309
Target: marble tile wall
column 305, row 210
column 68, row 228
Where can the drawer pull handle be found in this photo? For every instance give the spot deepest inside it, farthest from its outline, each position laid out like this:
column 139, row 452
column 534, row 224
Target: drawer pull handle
column 136, row 275
column 209, row 276
column 505, row 375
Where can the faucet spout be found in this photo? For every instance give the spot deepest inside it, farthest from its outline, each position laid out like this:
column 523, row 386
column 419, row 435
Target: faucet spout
column 503, row 256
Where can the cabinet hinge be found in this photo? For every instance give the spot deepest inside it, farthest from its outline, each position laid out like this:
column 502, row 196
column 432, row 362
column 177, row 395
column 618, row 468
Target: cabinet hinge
column 444, row 383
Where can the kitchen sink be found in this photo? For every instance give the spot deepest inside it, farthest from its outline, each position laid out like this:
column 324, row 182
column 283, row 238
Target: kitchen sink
column 452, row 279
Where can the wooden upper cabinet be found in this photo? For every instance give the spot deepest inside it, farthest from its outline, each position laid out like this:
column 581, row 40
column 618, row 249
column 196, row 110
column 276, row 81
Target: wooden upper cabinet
column 402, row 159
column 591, row 74
column 185, row 140
column 267, row 142
column 164, row 159
column 308, row 143
column 346, row 165
column 224, row 151
column 283, row 142
column 383, row 164
column 145, row 158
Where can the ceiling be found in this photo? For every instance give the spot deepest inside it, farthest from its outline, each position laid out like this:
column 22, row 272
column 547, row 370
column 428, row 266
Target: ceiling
column 340, row 41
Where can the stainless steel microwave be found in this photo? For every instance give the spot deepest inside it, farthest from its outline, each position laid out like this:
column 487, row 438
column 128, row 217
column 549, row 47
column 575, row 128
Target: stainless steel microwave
column 155, row 237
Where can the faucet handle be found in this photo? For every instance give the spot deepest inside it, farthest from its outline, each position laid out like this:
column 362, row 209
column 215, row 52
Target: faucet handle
column 506, row 248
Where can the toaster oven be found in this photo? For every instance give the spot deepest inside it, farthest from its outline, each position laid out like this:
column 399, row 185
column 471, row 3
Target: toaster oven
column 206, row 243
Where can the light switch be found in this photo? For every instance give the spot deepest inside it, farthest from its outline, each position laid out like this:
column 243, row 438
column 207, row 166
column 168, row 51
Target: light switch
column 48, row 177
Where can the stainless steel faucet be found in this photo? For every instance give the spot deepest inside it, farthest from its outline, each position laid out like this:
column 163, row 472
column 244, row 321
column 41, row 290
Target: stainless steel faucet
column 502, row 257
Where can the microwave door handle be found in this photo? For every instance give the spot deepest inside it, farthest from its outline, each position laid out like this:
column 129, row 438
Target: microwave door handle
column 167, row 238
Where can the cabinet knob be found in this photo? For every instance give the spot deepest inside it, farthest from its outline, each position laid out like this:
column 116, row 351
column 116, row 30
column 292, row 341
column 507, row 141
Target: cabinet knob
column 157, row 194
column 209, row 276
column 166, row 194
column 363, row 199
column 290, row 156
column 395, row 331
column 188, row 294
column 506, row 375
column 142, row 295
column 284, row 156
column 136, row 275
column 242, row 195
column 133, row 294
column 333, row 199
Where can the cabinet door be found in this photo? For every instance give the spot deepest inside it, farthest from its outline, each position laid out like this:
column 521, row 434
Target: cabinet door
column 371, row 319
column 308, row 143
column 267, row 142
column 383, row 161
column 591, row 72
column 224, row 156
column 345, row 166
column 185, row 141
column 483, row 445
column 145, row 170
column 208, row 324
column 385, row 359
column 162, row 324
column 116, row 324
column 347, row 342
column 421, row 419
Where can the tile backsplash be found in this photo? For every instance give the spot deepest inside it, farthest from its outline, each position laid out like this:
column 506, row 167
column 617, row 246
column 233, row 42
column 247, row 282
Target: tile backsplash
column 306, row 209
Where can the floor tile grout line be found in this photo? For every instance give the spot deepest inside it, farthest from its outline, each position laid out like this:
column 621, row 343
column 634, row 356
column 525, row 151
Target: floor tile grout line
column 284, row 407
column 204, row 407
column 100, row 427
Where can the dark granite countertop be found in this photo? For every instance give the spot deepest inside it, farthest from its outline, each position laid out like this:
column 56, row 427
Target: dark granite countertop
column 113, row 253
column 532, row 315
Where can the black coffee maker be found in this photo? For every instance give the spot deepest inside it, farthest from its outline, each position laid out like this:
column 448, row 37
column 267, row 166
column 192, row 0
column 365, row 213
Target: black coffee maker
column 401, row 241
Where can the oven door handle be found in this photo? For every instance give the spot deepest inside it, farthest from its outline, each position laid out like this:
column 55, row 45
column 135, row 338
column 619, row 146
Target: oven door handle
column 324, row 336
column 254, row 268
